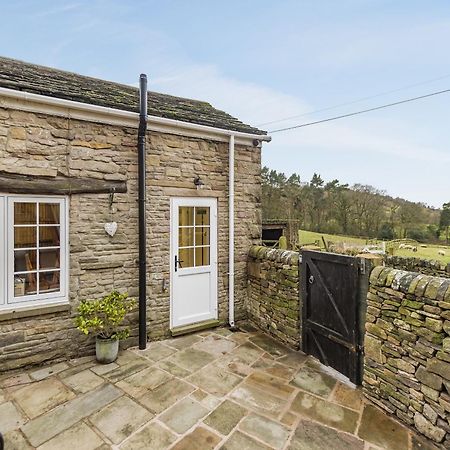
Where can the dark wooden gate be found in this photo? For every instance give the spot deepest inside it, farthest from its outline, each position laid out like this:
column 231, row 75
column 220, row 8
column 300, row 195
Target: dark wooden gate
column 331, row 311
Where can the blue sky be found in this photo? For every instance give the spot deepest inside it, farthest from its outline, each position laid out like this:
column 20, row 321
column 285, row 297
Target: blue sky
column 264, row 60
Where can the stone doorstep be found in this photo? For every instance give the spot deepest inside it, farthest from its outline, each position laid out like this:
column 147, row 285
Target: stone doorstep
column 191, row 328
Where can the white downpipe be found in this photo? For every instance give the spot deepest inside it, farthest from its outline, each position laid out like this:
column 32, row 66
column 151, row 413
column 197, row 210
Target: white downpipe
column 231, row 232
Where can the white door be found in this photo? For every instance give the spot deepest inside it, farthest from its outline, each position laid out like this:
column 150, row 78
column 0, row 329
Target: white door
column 193, row 260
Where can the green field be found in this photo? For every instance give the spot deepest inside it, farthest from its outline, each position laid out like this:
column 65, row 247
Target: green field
column 430, row 252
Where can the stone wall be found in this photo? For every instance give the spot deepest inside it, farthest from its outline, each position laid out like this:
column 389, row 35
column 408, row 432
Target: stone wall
column 425, row 266
column 273, row 293
column 407, row 349
column 38, row 144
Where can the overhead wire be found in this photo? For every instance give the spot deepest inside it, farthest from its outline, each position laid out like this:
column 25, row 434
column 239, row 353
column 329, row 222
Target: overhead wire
column 355, row 101
column 329, row 119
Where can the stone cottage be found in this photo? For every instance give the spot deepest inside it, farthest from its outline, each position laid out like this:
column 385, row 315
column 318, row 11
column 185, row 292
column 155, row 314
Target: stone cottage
column 69, row 209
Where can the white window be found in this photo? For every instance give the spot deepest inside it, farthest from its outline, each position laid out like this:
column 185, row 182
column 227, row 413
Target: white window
column 33, row 250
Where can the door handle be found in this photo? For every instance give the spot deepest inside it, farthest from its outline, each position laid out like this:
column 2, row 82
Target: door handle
column 178, row 262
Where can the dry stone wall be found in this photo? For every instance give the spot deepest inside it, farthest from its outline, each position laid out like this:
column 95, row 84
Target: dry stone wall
column 425, row 266
column 407, row 349
column 273, row 293
column 39, row 144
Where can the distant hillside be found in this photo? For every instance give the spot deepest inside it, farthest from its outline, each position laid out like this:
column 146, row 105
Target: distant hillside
column 358, row 210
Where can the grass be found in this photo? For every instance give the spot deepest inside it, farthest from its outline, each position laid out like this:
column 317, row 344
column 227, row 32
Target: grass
column 430, row 252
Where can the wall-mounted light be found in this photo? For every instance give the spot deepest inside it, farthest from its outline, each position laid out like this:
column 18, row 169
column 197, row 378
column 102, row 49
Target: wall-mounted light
column 199, row 183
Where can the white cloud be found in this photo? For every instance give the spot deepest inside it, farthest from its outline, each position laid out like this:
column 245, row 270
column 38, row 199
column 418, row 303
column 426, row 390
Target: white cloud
column 256, row 104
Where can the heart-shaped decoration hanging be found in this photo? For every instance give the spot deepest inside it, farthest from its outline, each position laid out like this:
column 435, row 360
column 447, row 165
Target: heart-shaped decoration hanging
column 111, row 228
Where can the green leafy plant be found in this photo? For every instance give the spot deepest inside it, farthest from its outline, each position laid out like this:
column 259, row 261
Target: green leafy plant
column 103, row 317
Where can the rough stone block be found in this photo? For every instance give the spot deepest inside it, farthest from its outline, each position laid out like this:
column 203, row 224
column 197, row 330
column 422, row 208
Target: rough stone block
column 428, row 429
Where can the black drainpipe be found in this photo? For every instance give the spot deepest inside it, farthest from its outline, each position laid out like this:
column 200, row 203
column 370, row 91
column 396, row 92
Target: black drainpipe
column 142, row 219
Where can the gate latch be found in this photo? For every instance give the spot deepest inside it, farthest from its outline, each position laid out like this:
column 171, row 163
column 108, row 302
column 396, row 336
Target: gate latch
column 362, row 266
column 311, row 279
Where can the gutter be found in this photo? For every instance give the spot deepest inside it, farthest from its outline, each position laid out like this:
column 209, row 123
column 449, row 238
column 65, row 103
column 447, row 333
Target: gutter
column 84, row 111
column 142, row 216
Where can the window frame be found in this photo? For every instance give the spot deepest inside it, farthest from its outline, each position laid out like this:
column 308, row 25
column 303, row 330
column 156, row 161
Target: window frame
column 7, row 299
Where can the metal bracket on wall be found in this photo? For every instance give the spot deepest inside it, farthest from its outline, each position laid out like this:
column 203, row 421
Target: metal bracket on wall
column 362, row 266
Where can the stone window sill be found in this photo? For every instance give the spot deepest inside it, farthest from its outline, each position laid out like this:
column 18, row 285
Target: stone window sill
column 30, row 311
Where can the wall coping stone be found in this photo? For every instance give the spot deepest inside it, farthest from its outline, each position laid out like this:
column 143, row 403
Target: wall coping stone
column 274, row 254
column 433, row 288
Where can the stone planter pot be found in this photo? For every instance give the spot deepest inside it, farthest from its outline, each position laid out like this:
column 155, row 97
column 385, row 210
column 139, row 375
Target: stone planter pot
column 106, row 350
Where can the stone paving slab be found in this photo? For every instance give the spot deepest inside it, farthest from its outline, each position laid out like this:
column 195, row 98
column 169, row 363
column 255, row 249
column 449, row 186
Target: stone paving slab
column 15, row 440
column 215, row 380
column 200, row 438
column 379, row 429
column 52, row 423
column 254, row 398
column 347, row 396
column 157, row 351
column 215, row 345
column 183, row 415
column 10, row 417
column 80, row 436
column 269, row 345
column 314, row 436
column 325, row 412
column 83, row 381
column 225, row 417
column 209, row 390
column 271, row 385
column 266, row 430
column 143, row 381
column 274, row 368
column 240, row 441
column 165, row 395
column 152, row 436
column 37, row 398
column 120, row 419
column 48, row 371
column 314, row 381
column 191, row 359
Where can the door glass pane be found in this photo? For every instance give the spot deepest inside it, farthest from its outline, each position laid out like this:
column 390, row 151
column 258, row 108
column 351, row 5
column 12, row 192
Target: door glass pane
column 24, row 237
column 186, row 257
column 48, row 281
column 202, row 215
column 202, row 256
column 186, row 237
column 202, row 236
column 24, row 260
column 24, row 213
column 49, row 236
column 185, row 216
column 48, row 213
column 49, row 259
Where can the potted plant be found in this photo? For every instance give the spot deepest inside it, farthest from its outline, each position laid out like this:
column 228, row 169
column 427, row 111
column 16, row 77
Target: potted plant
column 103, row 318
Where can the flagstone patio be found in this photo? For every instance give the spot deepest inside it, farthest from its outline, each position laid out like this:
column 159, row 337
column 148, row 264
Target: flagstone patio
column 211, row 390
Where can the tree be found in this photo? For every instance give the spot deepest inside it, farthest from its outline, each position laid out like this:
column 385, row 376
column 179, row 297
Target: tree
column 336, row 208
column 386, row 232
column 444, row 220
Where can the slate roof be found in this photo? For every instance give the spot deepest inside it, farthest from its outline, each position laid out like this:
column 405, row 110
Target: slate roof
column 22, row 76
